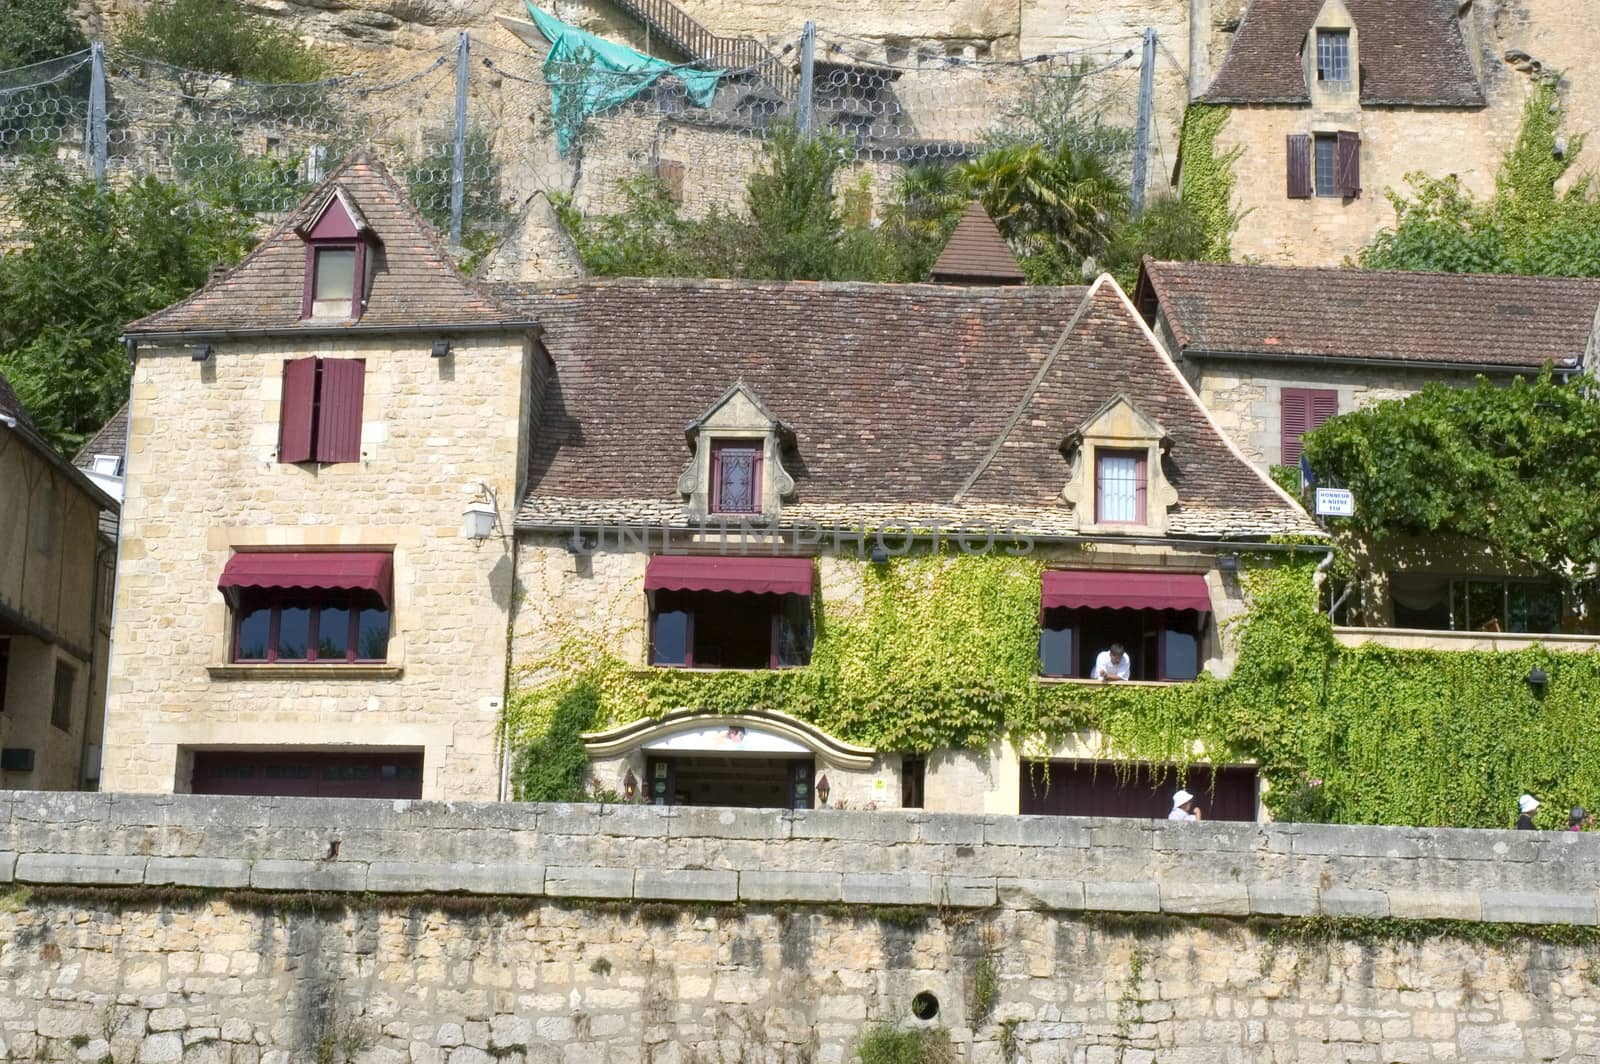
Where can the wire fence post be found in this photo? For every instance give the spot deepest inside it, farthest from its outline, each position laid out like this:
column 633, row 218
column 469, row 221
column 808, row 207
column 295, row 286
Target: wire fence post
column 1141, row 132
column 97, row 111
column 458, row 163
column 808, row 60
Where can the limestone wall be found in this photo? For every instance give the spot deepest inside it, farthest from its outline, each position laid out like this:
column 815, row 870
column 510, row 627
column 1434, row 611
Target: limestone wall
column 177, row 928
column 203, row 481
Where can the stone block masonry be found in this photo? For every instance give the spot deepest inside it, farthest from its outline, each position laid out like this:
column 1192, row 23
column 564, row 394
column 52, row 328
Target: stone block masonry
column 180, row 928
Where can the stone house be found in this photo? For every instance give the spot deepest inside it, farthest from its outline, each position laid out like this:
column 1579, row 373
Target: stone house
column 719, row 469
column 299, row 610
column 57, row 566
column 1274, row 352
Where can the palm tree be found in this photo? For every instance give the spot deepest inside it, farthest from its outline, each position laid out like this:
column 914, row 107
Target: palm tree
column 1063, row 202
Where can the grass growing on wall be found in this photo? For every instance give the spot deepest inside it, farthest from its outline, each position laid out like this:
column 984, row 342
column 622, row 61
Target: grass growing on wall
column 943, row 653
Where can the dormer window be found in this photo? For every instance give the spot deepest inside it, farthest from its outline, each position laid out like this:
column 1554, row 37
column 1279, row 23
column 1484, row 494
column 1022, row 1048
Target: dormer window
column 736, row 477
column 340, row 247
column 1117, row 483
column 1121, row 487
column 1333, row 56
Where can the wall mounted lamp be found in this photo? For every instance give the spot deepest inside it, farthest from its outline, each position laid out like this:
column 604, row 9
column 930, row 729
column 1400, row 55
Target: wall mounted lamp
column 482, row 515
column 581, row 542
column 630, row 785
column 1537, row 679
column 822, row 791
column 199, row 352
column 1228, row 563
column 879, row 554
column 441, row 348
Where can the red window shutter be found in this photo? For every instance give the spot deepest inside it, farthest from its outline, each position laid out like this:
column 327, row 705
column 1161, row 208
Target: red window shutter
column 1320, row 406
column 1300, row 185
column 294, row 421
column 339, row 410
column 1141, row 493
column 1295, row 412
column 1347, row 165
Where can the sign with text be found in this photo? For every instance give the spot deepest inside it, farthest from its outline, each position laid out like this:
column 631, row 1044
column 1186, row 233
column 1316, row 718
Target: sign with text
column 1335, row 502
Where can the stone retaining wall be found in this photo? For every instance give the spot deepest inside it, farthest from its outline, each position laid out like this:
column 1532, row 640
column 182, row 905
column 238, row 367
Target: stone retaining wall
column 268, row 931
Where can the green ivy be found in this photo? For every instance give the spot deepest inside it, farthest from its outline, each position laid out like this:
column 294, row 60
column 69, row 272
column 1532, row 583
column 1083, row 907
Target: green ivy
column 1208, row 178
column 942, row 652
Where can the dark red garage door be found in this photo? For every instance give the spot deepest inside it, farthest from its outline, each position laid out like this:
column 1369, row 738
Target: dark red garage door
column 1089, row 788
column 309, row 775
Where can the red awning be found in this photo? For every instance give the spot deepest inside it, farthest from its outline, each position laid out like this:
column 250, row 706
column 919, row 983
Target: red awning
column 1101, row 590
column 326, row 571
column 760, row 576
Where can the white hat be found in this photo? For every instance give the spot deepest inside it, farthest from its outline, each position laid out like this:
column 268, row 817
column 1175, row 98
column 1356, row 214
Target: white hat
column 1181, row 797
column 1527, row 803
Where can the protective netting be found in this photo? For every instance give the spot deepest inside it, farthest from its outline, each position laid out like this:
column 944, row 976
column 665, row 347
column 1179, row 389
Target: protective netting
column 262, row 147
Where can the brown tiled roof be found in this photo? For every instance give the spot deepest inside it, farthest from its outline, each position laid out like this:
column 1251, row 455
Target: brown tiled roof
column 976, row 253
column 1411, row 52
column 1487, row 320
column 111, row 439
column 896, row 394
column 10, row 405
column 414, row 281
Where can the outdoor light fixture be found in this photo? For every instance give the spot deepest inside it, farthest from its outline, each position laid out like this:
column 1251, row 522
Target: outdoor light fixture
column 822, row 790
column 441, row 348
column 630, row 785
column 199, row 352
column 879, row 555
column 1228, row 563
column 1537, row 678
column 581, row 542
column 482, row 514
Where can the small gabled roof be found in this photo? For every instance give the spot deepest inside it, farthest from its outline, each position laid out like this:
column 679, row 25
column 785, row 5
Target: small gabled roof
column 1411, row 53
column 976, row 253
column 332, row 193
column 414, row 281
column 1484, row 321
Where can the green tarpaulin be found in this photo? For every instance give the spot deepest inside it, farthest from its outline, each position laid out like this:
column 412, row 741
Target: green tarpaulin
column 587, row 75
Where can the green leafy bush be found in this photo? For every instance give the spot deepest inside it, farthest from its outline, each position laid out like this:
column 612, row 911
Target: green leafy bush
column 888, row 1045
column 219, row 37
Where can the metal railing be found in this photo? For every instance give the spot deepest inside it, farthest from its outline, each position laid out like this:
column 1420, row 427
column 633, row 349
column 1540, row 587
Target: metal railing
column 699, row 44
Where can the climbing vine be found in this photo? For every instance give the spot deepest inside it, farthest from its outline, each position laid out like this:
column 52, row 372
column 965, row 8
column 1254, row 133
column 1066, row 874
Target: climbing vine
column 940, row 650
column 1208, row 177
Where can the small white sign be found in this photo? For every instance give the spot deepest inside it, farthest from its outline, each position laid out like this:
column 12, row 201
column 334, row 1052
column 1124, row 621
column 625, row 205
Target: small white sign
column 1335, row 502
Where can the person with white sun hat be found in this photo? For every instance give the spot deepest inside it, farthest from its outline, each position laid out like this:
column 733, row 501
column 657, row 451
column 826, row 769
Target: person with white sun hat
column 1183, row 807
column 1526, row 804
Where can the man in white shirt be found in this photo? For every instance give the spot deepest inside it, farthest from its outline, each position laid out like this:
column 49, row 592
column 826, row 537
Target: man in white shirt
column 1112, row 664
column 1183, row 807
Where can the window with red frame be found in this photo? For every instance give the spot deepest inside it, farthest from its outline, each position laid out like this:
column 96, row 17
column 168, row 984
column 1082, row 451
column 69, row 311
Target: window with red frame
column 729, row 630
column 1120, row 487
column 735, row 478
column 283, row 625
column 320, row 415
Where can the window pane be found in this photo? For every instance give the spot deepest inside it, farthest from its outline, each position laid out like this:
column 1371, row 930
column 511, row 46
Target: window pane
column 333, row 633
column 254, row 628
column 1327, row 152
column 294, row 632
column 671, row 643
column 1534, row 608
column 1055, row 652
column 1420, row 600
column 1486, row 605
column 336, row 274
column 1333, row 55
column 737, row 492
column 1117, row 489
column 372, row 634
column 794, row 631
column 1182, row 652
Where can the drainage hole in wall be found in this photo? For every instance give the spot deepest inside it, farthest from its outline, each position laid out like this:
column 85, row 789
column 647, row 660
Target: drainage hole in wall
column 925, row 1006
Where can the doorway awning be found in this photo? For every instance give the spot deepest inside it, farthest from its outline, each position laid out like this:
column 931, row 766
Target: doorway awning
column 1111, row 590
column 312, row 571
column 759, row 576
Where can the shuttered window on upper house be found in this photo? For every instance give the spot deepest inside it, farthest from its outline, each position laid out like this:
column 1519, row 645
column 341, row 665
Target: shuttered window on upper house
column 1347, row 164
column 1299, row 166
column 1303, row 409
column 320, row 419
column 1324, row 164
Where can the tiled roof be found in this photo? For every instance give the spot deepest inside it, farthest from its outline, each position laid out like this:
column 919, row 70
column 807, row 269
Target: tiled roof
column 896, row 394
column 1276, row 312
column 10, row 405
column 1411, row 52
column 111, row 439
column 414, row 281
column 976, row 253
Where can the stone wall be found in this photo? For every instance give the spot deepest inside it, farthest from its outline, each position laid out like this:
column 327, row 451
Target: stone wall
column 262, row 931
column 203, row 481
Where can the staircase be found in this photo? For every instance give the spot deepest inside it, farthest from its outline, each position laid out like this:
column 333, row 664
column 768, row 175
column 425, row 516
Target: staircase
column 672, row 25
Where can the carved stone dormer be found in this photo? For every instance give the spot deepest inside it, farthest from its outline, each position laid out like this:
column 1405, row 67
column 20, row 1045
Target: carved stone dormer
column 1117, row 484
column 1331, row 58
column 737, row 466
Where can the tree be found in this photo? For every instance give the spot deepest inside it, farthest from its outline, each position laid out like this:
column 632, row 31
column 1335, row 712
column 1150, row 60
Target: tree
column 86, row 261
column 793, row 214
column 1529, row 226
column 218, row 37
column 32, row 31
column 1516, row 468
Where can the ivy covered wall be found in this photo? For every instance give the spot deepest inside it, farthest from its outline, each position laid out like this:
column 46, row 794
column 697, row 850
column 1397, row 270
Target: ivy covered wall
column 941, row 651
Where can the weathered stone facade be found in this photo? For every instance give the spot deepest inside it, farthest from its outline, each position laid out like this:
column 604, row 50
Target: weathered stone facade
column 203, row 481
column 177, row 929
